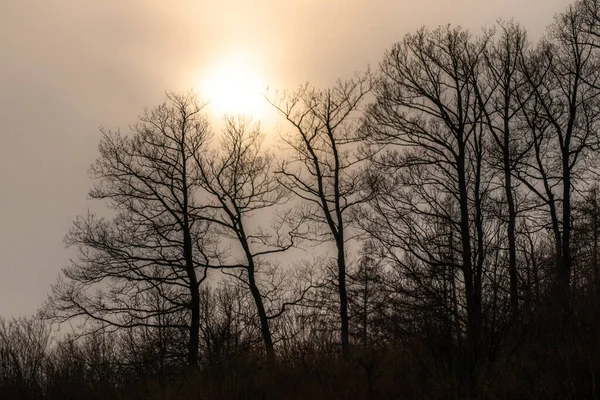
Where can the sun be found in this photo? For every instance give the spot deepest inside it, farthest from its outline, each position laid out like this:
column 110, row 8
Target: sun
column 234, row 85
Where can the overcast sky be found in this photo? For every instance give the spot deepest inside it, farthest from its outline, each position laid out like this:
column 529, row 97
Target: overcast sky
column 68, row 67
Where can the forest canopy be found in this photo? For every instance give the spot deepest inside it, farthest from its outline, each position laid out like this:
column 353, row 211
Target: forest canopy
column 427, row 229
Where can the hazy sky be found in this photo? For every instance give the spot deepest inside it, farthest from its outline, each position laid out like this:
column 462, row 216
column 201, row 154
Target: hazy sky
column 70, row 66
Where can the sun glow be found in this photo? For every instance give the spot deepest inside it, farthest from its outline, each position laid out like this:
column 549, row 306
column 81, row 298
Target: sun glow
column 234, row 86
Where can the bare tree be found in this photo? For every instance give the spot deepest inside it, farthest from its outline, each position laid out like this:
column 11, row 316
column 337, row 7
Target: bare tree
column 239, row 183
column 561, row 112
column 368, row 295
column 24, row 348
column 154, row 242
column 228, row 324
column 323, row 166
column 498, row 85
column 432, row 176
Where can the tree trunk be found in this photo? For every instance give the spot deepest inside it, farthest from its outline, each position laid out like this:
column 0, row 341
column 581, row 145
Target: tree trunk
column 262, row 314
column 194, row 306
column 341, row 261
column 473, row 303
column 595, row 238
column 265, row 329
column 565, row 267
column 512, row 224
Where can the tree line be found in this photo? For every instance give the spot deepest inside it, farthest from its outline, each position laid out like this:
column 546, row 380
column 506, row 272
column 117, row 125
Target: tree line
column 442, row 208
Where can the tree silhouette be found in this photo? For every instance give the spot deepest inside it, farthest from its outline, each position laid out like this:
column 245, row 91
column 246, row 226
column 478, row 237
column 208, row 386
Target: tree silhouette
column 155, row 241
column 322, row 169
column 240, row 182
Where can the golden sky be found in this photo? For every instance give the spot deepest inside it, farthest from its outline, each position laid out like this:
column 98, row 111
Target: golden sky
column 69, row 66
